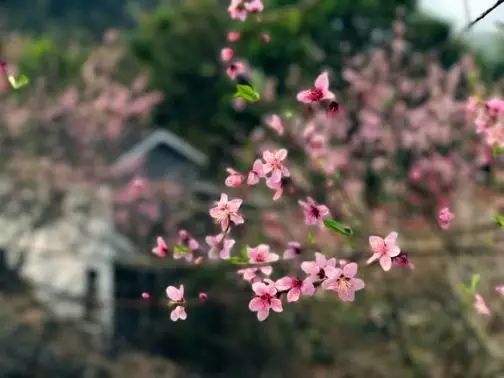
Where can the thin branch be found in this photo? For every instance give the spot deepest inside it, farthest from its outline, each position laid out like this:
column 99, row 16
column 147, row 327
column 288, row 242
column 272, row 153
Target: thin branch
column 483, row 15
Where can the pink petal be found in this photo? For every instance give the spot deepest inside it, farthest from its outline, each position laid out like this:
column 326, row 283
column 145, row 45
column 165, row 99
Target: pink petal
column 284, row 283
column 276, row 305
column 377, row 243
column 322, row 82
column 262, row 314
column 266, row 270
column 350, row 270
column 328, row 95
column 174, row 294
column 281, row 154
column 394, row 251
column 293, row 295
column 304, row 96
column 358, row 284
column 347, row 295
column 391, row 238
column 256, row 304
column 373, row 258
column 386, row 263
column 310, row 267
column 308, row 288
column 320, row 259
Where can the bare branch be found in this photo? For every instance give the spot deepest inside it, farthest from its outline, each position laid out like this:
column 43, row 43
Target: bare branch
column 483, row 15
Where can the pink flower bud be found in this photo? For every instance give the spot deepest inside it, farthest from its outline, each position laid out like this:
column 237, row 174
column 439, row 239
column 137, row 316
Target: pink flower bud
column 226, row 54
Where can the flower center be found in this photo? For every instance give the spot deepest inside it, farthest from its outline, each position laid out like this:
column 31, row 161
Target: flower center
column 315, row 94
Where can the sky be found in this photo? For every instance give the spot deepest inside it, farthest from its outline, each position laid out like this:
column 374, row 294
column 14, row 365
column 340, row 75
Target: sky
column 454, row 11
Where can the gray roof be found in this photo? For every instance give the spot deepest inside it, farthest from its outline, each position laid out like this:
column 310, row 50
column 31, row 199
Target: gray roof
column 161, row 137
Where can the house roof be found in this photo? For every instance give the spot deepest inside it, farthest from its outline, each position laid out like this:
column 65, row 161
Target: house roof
column 160, row 137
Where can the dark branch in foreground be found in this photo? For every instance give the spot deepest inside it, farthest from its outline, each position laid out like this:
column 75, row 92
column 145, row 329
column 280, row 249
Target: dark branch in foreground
column 483, row 15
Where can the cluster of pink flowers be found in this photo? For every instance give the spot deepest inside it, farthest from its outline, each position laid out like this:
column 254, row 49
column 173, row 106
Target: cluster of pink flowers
column 489, row 120
column 240, row 9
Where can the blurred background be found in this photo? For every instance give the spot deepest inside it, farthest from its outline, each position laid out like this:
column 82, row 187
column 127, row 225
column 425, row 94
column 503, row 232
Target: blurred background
column 124, row 134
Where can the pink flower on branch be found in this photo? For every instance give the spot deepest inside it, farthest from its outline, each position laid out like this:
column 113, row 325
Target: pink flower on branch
column 295, row 287
column 344, row 282
column 321, row 268
column 445, row 217
column 234, row 179
column 220, row 247
column 185, row 239
column 275, row 123
column 252, row 274
column 261, row 254
column 273, row 164
column 256, row 173
column 161, row 248
column 226, row 211
column 233, row 36
column 176, row 296
column 226, row 54
column 237, row 10
column 236, row 69
column 384, row 249
column 264, row 300
column 319, row 92
column 313, row 211
column 254, row 6
column 293, row 250
column 278, row 187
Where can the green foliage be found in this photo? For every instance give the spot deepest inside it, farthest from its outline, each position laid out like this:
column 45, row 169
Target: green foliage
column 19, row 82
column 336, row 226
column 247, row 93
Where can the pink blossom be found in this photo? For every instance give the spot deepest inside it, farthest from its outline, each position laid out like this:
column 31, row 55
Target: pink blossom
column 264, row 300
column 256, row 173
column 445, row 217
column 235, row 69
column 494, row 136
column 265, row 38
column 319, row 92
column 161, row 249
column 220, row 247
column 251, row 274
column 402, row 261
column 185, row 239
column 178, row 313
column 500, row 289
column 320, row 268
column 277, row 187
column 226, row 54
column 237, row 10
column 202, row 296
column 480, row 305
column 313, row 211
column 176, row 296
column 226, row 211
column 295, row 287
column 495, row 106
column 273, row 163
column 254, row 6
column 145, row 295
column 343, row 282
column 261, row 254
column 233, row 36
column 234, row 179
column 293, row 250
column 275, row 123
column 384, row 250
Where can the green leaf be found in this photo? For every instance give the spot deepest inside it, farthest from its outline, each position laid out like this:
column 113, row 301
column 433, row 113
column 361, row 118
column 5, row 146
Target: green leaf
column 498, row 150
column 181, row 249
column 336, row 226
column 475, row 279
column 499, row 218
column 247, row 93
column 238, row 260
column 18, row 83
